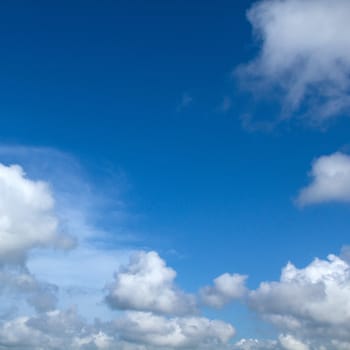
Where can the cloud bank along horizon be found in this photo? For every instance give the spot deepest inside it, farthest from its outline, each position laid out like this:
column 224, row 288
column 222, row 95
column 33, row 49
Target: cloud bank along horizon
column 147, row 308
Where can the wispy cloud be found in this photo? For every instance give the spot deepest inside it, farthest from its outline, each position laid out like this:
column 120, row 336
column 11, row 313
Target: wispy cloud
column 42, row 283
column 304, row 60
column 330, row 181
column 307, row 306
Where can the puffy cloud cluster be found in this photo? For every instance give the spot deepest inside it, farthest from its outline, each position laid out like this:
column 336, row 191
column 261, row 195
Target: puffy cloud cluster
column 256, row 344
column 330, row 180
column 305, row 55
column 288, row 342
column 310, row 306
column 28, row 221
column 226, row 288
column 27, row 218
column 147, row 284
column 180, row 332
column 311, row 303
column 284, row 342
column 135, row 330
column 52, row 330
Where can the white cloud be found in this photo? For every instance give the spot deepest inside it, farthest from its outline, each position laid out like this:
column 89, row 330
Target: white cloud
column 81, row 205
column 53, row 330
column 27, row 218
column 311, row 306
column 309, row 303
column 256, row 344
column 180, row 332
column 330, row 180
column 77, row 276
column 226, row 288
column 147, row 284
column 288, row 342
column 133, row 331
column 305, row 56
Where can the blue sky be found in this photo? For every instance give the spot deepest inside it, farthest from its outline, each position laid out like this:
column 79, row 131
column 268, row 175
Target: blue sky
column 210, row 137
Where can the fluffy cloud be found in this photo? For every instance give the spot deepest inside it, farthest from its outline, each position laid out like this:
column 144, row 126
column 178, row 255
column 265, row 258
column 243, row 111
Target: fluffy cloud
column 27, row 221
column 256, row 344
column 304, row 57
column 284, row 342
column 78, row 207
column 180, row 332
column 288, row 342
column 147, row 284
column 330, row 180
column 226, row 288
column 310, row 303
column 52, row 330
column 134, row 331
column 311, row 306
column 27, row 218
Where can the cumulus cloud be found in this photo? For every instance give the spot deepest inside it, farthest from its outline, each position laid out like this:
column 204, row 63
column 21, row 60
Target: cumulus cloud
column 288, row 342
column 147, row 284
column 304, row 59
column 226, row 288
column 284, row 342
column 53, row 330
column 77, row 208
column 310, row 306
column 180, row 332
column 311, row 303
column 256, row 344
column 330, row 180
column 134, row 331
column 27, row 218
